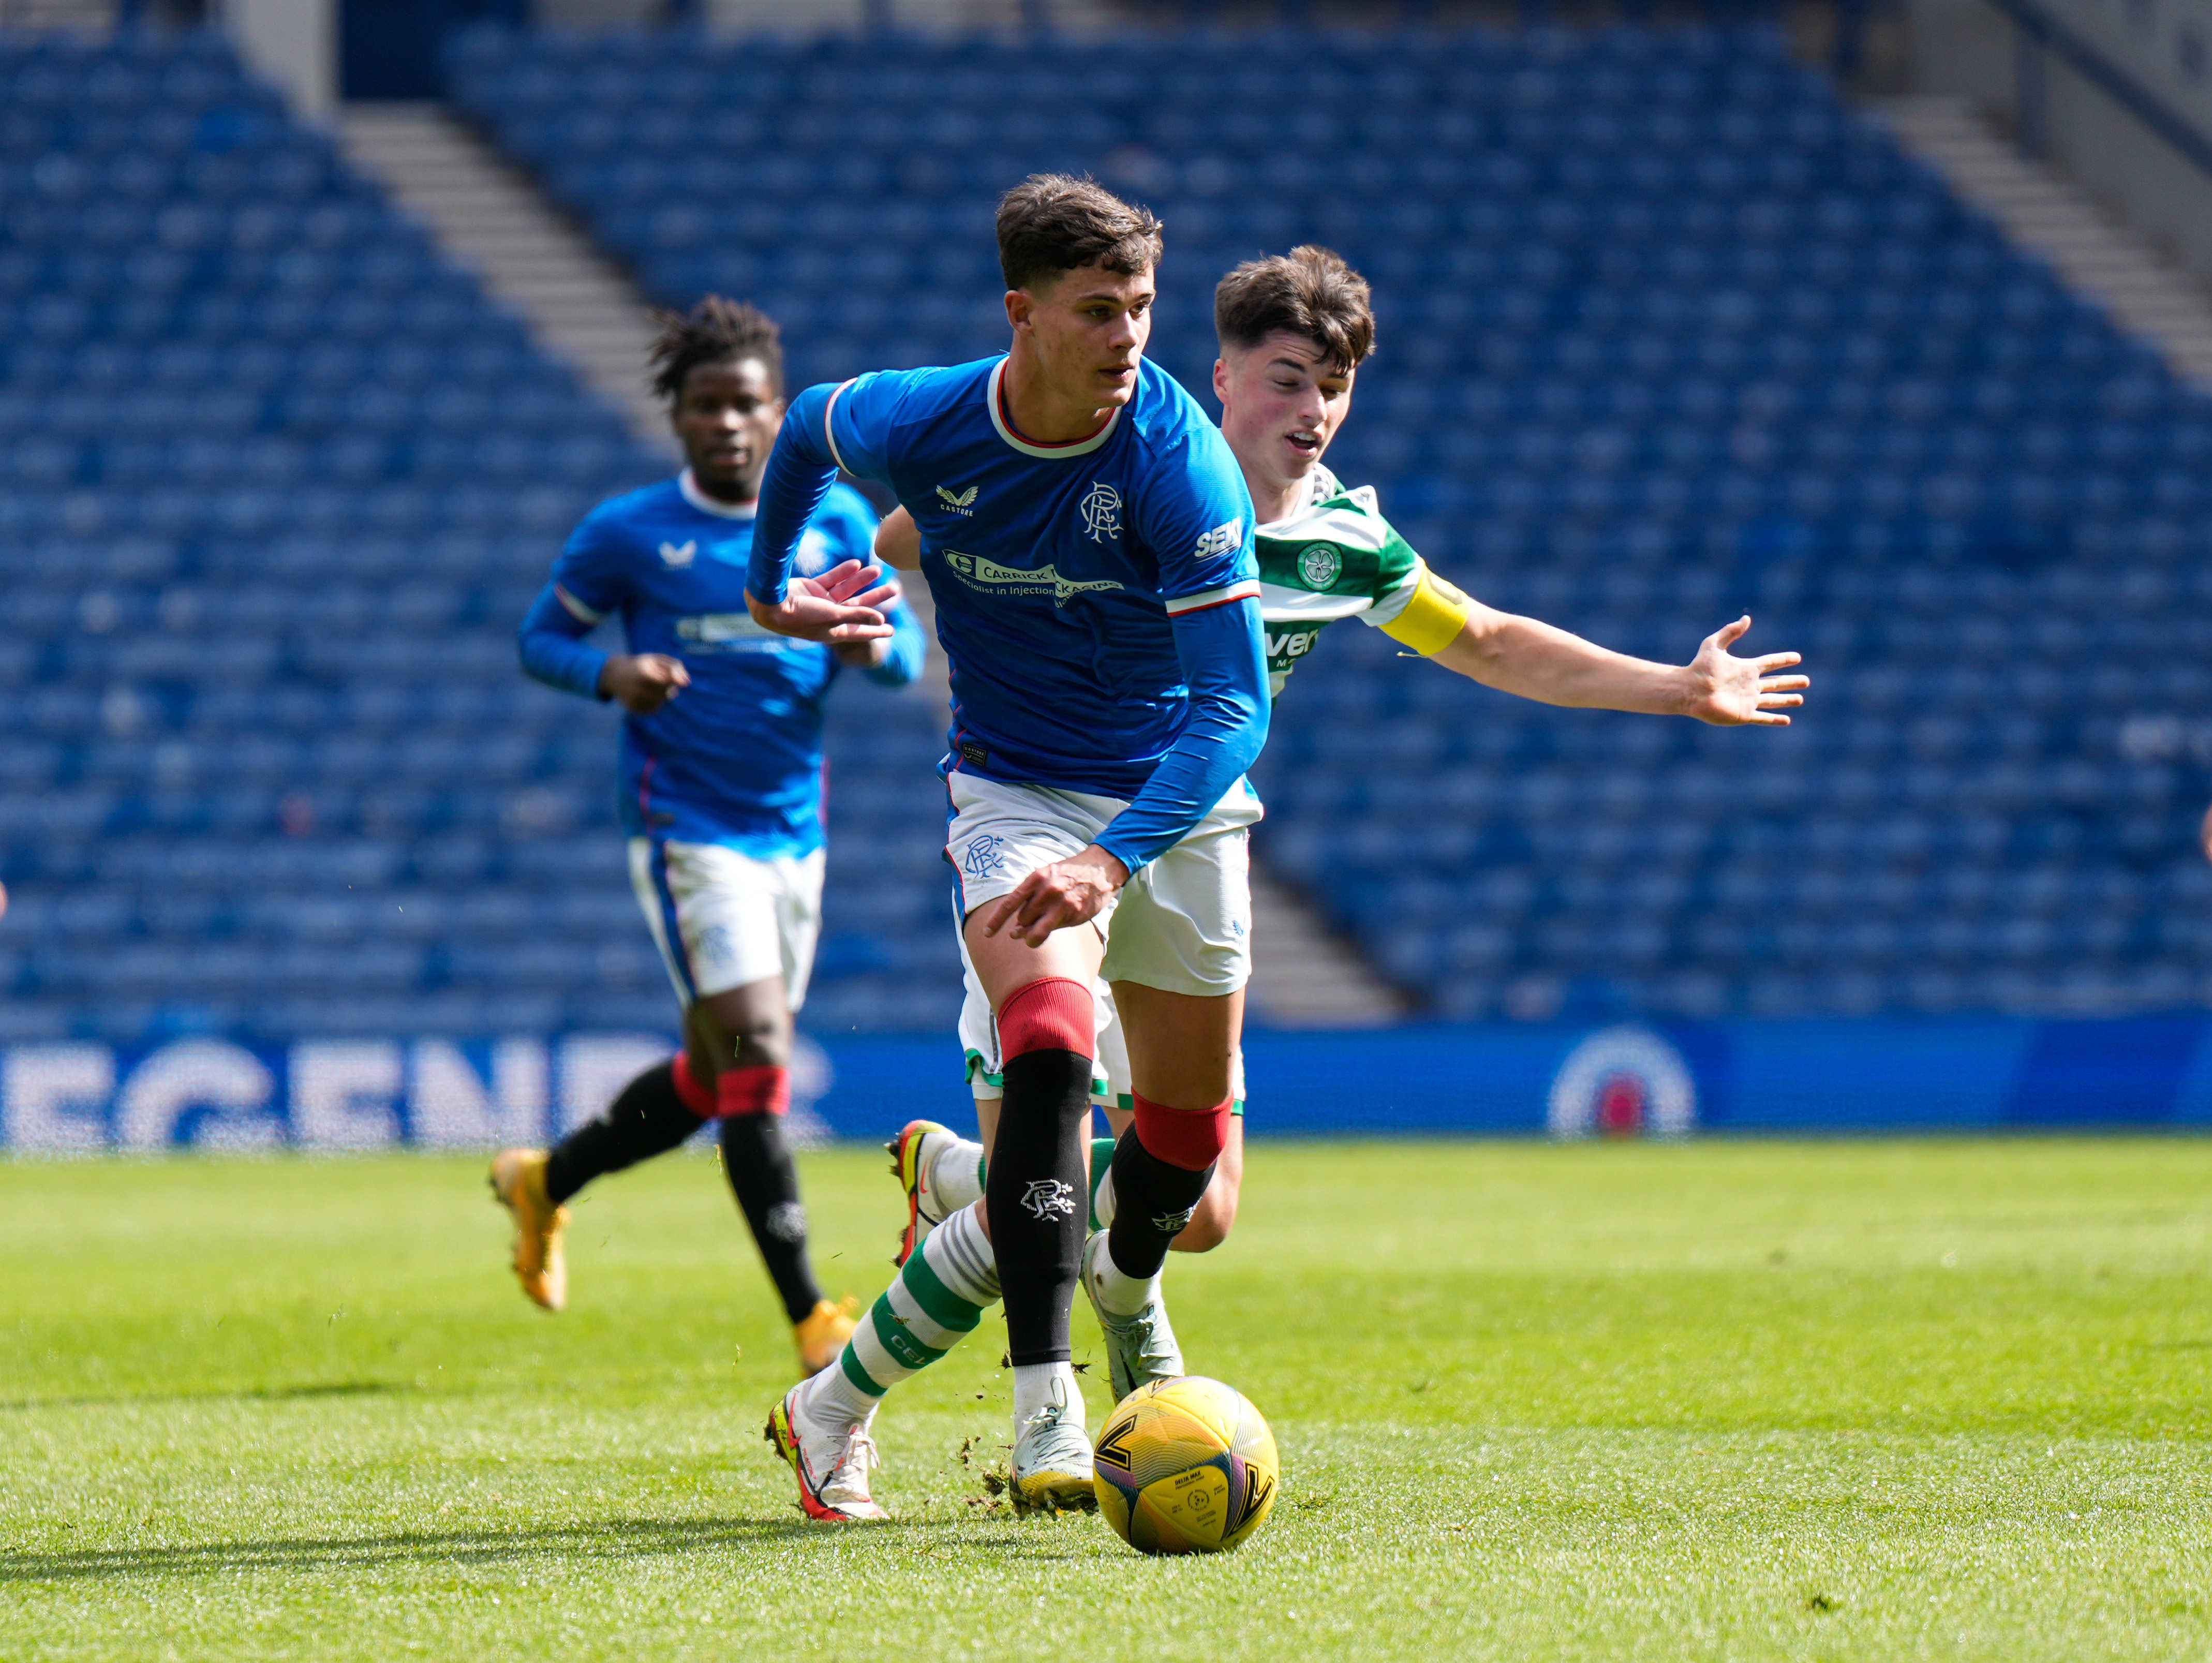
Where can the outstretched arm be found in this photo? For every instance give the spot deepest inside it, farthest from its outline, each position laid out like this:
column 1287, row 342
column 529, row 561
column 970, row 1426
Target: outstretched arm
column 1536, row 660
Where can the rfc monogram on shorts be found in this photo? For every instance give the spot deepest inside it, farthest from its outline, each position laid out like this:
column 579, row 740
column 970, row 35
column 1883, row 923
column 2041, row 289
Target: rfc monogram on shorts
column 1050, row 1198
column 985, row 856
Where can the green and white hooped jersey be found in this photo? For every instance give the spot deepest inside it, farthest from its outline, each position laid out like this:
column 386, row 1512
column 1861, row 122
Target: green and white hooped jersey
column 1337, row 557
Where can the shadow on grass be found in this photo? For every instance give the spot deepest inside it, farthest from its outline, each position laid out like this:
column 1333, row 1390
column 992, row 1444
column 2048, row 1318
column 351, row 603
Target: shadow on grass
column 336, row 1388
column 609, row 1538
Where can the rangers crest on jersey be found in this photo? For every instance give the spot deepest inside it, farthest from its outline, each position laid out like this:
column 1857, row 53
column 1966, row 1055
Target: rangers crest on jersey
column 1102, row 512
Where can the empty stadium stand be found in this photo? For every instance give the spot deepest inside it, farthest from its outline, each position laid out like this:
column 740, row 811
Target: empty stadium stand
column 1668, row 333
column 276, row 484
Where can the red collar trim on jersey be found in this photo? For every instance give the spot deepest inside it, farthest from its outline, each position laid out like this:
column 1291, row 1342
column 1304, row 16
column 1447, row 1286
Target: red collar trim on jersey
column 1003, row 422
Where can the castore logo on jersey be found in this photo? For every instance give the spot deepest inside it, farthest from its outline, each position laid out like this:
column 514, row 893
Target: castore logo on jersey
column 674, row 555
column 963, row 503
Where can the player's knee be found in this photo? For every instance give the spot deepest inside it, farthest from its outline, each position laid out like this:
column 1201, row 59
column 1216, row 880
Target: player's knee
column 765, row 1045
column 1053, row 1013
column 1213, row 1218
column 747, row 1032
column 1190, row 1138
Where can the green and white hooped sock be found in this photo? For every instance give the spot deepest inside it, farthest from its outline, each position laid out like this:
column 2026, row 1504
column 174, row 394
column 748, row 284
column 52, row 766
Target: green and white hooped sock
column 937, row 1300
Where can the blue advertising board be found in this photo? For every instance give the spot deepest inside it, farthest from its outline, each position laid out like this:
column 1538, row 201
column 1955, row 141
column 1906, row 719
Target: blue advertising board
column 1795, row 1077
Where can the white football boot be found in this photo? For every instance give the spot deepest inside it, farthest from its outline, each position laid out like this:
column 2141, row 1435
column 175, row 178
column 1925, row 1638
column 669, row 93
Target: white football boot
column 1052, row 1462
column 1140, row 1349
column 832, row 1462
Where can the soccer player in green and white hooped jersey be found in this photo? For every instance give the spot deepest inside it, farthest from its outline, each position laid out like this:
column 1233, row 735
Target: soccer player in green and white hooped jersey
column 1294, row 329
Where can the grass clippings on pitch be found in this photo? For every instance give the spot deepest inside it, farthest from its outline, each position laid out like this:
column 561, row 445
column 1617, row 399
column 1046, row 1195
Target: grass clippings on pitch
column 1743, row 1401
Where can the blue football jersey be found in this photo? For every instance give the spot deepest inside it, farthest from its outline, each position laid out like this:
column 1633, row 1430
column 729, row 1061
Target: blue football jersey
column 736, row 757
column 1056, row 568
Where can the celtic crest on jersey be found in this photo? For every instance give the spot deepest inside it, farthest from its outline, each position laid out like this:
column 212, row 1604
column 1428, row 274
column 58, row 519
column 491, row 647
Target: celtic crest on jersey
column 1319, row 564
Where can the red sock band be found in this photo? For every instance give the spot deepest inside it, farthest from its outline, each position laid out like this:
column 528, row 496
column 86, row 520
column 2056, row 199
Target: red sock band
column 696, row 1097
column 752, row 1091
column 1053, row 1013
column 1190, row 1138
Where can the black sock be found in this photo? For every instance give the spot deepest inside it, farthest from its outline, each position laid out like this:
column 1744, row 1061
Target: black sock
column 757, row 1162
column 1152, row 1202
column 646, row 1118
column 1035, row 1194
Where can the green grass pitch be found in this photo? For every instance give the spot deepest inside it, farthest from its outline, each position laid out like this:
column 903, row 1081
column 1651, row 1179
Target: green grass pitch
column 1717, row 1401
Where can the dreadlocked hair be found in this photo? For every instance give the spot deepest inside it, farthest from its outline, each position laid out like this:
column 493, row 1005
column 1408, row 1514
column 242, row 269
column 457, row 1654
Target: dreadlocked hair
column 716, row 331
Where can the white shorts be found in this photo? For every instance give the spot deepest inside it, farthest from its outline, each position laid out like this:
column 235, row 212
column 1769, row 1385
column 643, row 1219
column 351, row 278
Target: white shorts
column 979, row 1042
column 1109, row 1086
column 1183, row 924
column 723, row 918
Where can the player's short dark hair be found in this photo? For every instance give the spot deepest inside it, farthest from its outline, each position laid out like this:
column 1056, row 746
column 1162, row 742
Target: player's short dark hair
column 1051, row 222
column 715, row 331
column 1309, row 291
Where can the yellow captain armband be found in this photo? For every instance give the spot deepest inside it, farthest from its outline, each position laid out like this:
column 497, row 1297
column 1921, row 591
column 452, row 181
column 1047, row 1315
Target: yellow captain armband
column 1433, row 618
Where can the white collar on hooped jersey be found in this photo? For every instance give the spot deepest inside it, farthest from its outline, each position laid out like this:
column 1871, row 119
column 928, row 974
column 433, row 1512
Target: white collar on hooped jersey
column 707, row 505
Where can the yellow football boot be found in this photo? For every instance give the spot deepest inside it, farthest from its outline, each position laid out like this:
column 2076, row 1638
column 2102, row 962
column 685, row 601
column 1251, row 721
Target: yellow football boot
column 822, row 1333
column 518, row 1180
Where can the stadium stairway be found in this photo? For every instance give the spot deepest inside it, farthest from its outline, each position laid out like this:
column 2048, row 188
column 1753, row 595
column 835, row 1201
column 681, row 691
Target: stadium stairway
column 1668, row 333
column 2100, row 255
column 495, row 221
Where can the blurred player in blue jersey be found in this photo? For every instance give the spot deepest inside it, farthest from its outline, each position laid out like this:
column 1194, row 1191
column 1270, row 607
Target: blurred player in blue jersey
column 720, row 766
column 1086, row 537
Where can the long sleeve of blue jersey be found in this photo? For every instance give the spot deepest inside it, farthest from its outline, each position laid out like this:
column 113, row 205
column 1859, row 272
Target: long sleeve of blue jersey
column 1225, row 663
column 553, row 649
column 800, row 471
column 909, row 651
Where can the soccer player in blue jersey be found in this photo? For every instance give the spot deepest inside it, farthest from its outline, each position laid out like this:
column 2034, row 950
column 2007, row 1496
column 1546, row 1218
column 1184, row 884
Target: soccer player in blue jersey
column 1086, row 536
column 721, row 768
column 1294, row 329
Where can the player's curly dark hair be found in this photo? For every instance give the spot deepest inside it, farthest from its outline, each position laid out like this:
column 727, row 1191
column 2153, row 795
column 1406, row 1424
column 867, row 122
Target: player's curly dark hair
column 1054, row 222
column 1309, row 291
column 716, row 331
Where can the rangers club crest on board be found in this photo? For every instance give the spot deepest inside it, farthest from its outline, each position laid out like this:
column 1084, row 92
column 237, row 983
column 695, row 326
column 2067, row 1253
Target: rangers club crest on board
column 1623, row 1082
